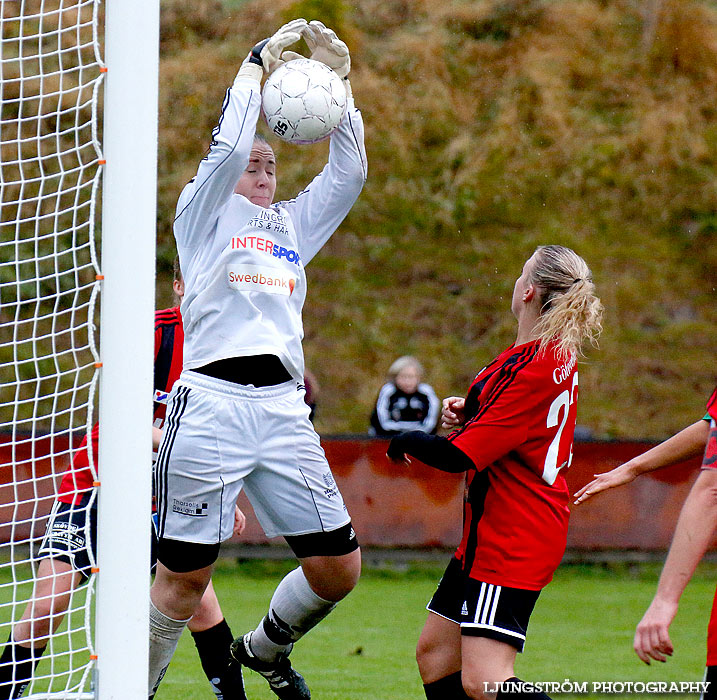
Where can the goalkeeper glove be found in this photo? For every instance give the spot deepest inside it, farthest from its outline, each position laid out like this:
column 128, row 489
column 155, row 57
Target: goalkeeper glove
column 265, row 57
column 325, row 46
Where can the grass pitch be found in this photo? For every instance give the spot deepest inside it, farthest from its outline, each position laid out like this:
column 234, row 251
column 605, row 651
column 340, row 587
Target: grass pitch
column 581, row 629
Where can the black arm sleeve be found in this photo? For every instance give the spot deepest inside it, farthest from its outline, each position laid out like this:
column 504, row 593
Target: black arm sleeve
column 433, row 450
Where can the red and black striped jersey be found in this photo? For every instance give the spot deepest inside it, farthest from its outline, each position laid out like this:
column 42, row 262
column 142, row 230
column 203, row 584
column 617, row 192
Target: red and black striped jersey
column 710, row 459
column 520, row 419
column 168, row 342
column 78, row 478
column 712, row 405
column 168, row 347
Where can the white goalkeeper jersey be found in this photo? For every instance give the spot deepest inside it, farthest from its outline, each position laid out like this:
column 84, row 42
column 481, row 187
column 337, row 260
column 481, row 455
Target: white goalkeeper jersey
column 243, row 264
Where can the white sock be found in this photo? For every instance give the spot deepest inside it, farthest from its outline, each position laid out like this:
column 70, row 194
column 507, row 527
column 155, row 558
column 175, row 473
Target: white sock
column 293, row 611
column 164, row 634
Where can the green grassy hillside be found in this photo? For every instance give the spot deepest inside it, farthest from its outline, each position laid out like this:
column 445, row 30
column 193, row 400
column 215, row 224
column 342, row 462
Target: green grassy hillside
column 492, row 127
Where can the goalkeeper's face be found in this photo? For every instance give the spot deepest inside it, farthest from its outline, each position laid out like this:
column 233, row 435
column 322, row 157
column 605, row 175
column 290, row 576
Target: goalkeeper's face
column 258, row 182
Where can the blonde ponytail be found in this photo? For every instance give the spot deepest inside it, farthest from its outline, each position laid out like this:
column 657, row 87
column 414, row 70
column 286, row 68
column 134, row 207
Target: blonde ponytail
column 571, row 313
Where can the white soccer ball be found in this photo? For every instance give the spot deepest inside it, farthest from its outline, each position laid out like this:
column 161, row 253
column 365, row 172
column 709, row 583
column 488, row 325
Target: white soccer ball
column 303, row 101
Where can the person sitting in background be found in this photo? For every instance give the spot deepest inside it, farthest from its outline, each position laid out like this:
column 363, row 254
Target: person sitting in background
column 405, row 402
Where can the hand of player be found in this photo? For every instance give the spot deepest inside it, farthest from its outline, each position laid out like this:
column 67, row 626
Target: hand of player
column 267, row 53
column 396, row 454
column 453, row 414
column 325, row 46
column 239, row 521
column 623, row 474
column 402, row 460
column 652, row 639
column 156, row 437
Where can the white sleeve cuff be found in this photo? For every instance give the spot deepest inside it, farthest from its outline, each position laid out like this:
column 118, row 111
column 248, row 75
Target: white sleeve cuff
column 250, row 71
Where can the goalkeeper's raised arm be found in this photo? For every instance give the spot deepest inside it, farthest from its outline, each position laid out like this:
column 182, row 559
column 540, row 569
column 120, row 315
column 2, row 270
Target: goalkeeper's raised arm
column 321, row 207
column 232, row 139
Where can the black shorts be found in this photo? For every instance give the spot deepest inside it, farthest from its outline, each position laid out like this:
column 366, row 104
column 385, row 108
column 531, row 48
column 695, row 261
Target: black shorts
column 483, row 609
column 330, row 543
column 71, row 535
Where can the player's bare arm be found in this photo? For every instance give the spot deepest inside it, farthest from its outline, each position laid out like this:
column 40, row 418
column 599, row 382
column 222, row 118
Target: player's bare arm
column 688, row 443
column 694, row 531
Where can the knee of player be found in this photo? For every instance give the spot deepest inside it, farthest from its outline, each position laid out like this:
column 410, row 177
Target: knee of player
column 207, row 614
column 338, row 587
column 478, row 688
column 333, row 577
column 47, row 609
column 426, row 649
column 331, row 561
column 351, row 572
column 435, row 657
column 38, row 628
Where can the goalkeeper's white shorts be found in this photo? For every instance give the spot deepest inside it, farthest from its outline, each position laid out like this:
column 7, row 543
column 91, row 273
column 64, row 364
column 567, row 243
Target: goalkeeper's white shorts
column 220, row 437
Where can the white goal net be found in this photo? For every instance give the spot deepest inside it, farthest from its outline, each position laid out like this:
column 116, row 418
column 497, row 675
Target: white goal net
column 49, row 177
column 51, row 165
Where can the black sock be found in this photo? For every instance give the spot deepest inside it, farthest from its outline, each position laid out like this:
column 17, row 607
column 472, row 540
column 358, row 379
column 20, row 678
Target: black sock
column 711, row 678
column 515, row 689
column 446, row 688
column 213, row 648
column 17, row 665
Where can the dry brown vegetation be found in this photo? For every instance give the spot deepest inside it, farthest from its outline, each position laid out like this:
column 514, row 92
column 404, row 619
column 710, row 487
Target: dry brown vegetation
column 492, row 127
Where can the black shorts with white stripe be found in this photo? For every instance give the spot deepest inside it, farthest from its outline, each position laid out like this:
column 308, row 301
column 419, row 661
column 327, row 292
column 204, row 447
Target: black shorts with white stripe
column 483, row 609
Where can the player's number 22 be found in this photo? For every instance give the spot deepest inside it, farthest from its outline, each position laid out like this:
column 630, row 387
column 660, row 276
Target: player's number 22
column 563, row 401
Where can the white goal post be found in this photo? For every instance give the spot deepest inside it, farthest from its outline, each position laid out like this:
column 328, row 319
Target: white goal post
column 78, row 162
column 127, row 346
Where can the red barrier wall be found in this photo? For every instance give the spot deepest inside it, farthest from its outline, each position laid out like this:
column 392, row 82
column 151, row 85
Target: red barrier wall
column 28, row 479
column 418, row 506
column 421, row 507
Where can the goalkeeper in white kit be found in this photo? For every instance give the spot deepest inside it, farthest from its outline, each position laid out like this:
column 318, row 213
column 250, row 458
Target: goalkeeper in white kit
column 236, row 417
